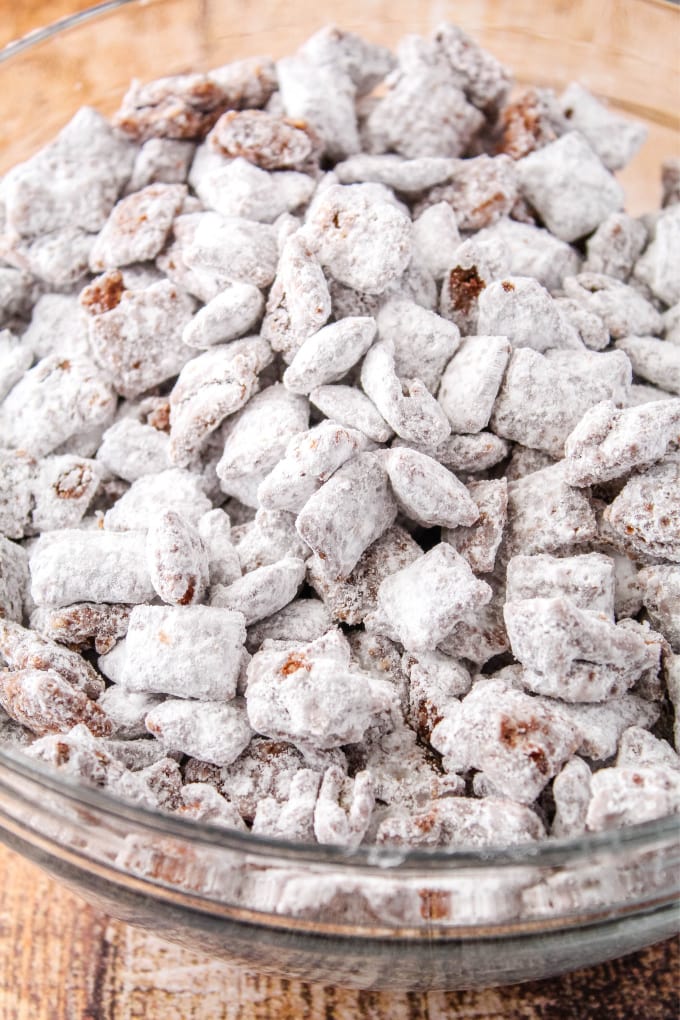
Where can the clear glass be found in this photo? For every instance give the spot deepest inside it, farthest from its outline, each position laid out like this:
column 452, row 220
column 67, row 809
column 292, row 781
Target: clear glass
column 369, row 917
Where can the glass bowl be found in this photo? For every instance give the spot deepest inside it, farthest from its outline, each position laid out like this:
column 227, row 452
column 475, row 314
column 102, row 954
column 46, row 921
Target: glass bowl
column 368, row 917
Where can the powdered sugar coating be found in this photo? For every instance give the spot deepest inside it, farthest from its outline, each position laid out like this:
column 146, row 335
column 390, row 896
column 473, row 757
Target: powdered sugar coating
column 218, row 731
column 426, row 491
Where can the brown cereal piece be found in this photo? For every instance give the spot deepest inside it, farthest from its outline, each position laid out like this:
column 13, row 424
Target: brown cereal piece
column 419, row 604
column 434, row 680
column 218, row 731
column 185, row 651
column 299, row 302
column 233, row 247
column 25, row 650
column 638, row 747
column 608, row 443
column 176, row 559
column 294, row 818
column 214, row 528
column 77, row 753
column 173, row 489
column 436, row 238
column 405, row 774
column 571, row 793
column 44, row 702
column 614, row 138
column 645, row 516
column 309, row 461
column 529, row 122
column 17, row 488
column 69, row 566
column 350, row 599
column 310, row 693
column 186, row 106
column 363, row 241
column 654, row 360
column 233, row 313
column 353, row 409
column 161, row 161
column 14, row 579
column 519, row 308
column 471, row 380
column 629, row 796
column 343, row 809
column 569, row 187
column 64, row 488
column 148, row 321
column 211, row 387
column 73, row 182
column 127, row 711
column 661, row 597
column 589, row 327
column 202, row 803
column 524, row 461
column 405, row 404
column 484, row 80
column 83, row 625
column 300, row 620
column 56, row 399
column 479, row 542
column 621, row 307
column 137, row 227
column 328, row 355
column 474, row 265
column 426, row 491
column 543, row 397
column 615, row 246
column 131, row 450
column 545, row 514
column 423, row 341
column 262, row 591
column 348, row 513
column 468, row 454
column 408, row 176
column 480, row 191
column 268, row 141
column 530, row 251
column 16, row 357
column 479, row 635
column 517, row 741
column 268, row 538
column 588, row 580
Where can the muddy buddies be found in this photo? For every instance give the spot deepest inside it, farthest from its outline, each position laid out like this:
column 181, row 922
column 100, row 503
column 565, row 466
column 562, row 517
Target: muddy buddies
column 340, row 453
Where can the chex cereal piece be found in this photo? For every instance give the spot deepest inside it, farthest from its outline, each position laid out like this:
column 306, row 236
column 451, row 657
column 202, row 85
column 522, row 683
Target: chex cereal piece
column 15, row 359
column 235, row 187
column 294, row 818
column 657, row 361
column 479, row 635
column 349, row 600
column 214, row 528
column 137, row 227
column 531, row 251
column 480, row 191
column 639, row 747
column 173, row 489
column 217, row 731
column 59, row 259
column 405, row 404
column 309, row 461
column 479, row 542
column 471, row 380
column 588, row 580
column 64, row 488
column 614, row 138
column 328, row 355
column 655, row 267
column 299, row 301
column 434, row 680
column 366, row 63
column 529, row 122
column 56, row 399
column 131, row 449
column 485, row 81
column 661, row 597
column 268, row 141
column 467, row 454
column 234, row 312
column 600, row 725
column 72, row 182
column 309, row 693
column 409, row 176
column 203, row 803
column 343, row 808
column 446, row 588
column 543, row 397
column 202, row 282
column 262, row 591
column 161, row 161
column 17, row 481
column 211, row 387
column 176, row 559
column 186, row 651
column 519, row 743
column 645, row 516
column 615, row 246
column 423, row 342
column 83, row 625
column 57, row 326
column 72, row 565
column 300, row 620
column 187, row 105
column 524, row 461
column 44, row 702
column 127, row 711
column 268, row 538
column 80, row 754
column 426, row 491
column 464, row 822
column 568, row 185
column 348, row 513
column 545, row 514
column 238, row 248
column 621, row 307
column 609, row 442
column 14, row 579
column 24, row 649
column 474, row 265
column 353, row 409
column 519, row 308
column 589, row 327
column 571, row 793
column 157, row 786
column 436, row 238
column 375, row 653
column 630, row 795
